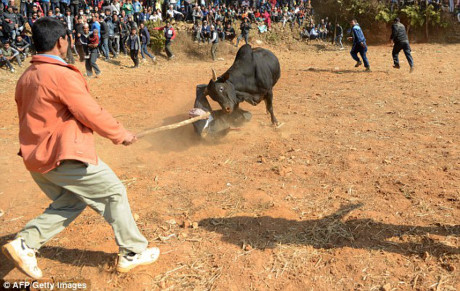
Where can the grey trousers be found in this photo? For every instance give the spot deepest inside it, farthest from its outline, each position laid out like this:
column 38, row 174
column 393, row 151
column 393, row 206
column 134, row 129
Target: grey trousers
column 213, row 51
column 74, row 185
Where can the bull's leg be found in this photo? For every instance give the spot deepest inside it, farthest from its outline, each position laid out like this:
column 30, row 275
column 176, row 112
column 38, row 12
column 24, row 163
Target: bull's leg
column 269, row 105
column 266, row 111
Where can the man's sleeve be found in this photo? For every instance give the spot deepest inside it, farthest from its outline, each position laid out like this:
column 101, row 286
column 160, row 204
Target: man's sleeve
column 393, row 28
column 15, row 52
column 86, row 110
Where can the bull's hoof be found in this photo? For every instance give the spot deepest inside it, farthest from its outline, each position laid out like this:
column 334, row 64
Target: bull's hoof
column 277, row 124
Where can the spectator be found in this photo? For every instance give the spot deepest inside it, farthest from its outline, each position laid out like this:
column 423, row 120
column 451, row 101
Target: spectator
column 214, row 41
column 54, row 5
column 156, row 16
column 95, row 25
column 11, row 54
column 21, row 46
column 115, row 38
column 197, row 14
column 304, row 34
column 105, row 34
column 229, row 32
column 5, row 61
column 90, row 42
column 173, row 14
column 359, row 45
column 115, row 7
column 137, row 8
column 245, row 28
column 128, row 7
column 314, row 34
column 131, row 23
column 144, row 15
column 34, row 18
column 196, row 30
column 145, row 41
column 205, row 31
column 78, row 31
column 338, row 35
column 401, row 42
column 220, row 30
column 124, row 33
column 74, row 6
column 170, row 35
column 64, row 5
column 262, row 27
column 134, row 46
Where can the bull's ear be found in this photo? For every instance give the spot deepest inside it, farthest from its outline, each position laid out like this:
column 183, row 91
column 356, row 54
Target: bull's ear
column 225, row 76
column 214, row 75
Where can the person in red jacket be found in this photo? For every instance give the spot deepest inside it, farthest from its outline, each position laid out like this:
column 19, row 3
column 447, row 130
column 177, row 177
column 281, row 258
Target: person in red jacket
column 170, row 35
column 57, row 117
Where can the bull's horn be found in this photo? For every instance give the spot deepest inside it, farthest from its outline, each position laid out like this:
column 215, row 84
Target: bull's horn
column 214, row 75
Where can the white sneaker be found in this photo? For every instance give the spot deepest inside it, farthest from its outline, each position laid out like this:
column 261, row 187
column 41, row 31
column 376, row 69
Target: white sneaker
column 23, row 257
column 130, row 261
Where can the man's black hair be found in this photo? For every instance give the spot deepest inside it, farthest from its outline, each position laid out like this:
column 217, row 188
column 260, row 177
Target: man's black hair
column 397, row 19
column 46, row 32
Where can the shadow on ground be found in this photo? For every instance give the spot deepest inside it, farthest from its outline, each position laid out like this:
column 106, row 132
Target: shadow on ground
column 73, row 257
column 331, row 232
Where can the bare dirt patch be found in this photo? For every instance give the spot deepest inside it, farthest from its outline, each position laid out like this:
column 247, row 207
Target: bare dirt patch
column 358, row 190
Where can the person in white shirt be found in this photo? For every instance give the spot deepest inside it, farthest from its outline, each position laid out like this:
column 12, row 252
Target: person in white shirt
column 171, row 13
column 314, row 34
column 115, row 7
column 156, row 16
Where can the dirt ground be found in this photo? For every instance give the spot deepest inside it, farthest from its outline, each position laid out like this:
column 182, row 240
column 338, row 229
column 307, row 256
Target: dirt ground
column 358, row 190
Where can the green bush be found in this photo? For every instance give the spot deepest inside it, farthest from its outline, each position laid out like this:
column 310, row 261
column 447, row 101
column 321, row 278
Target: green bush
column 157, row 38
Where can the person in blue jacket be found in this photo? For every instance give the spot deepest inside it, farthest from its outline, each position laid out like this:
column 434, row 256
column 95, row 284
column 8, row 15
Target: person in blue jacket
column 359, row 45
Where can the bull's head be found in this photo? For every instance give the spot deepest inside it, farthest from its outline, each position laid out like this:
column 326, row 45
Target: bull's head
column 222, row 91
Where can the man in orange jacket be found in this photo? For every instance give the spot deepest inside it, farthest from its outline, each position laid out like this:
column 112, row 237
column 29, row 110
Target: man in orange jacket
column 57, row 117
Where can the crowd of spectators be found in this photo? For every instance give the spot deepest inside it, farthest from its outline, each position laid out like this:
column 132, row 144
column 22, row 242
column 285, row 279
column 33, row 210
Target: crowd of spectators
column 116, row 20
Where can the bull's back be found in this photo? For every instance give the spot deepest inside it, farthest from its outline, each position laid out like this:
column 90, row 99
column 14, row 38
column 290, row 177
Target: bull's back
column 267, row 66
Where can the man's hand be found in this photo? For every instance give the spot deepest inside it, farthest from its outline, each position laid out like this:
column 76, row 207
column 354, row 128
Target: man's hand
column 350, row 38
column 129, row 139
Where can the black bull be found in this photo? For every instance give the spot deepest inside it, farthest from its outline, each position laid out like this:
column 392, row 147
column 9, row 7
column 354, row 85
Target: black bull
column 220, row 122
column 251, row 78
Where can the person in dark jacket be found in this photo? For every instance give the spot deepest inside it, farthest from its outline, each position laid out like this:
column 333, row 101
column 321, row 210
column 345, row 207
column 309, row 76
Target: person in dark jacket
column 245, row 28
column 21, row 46
column 338, row 36
column 124, row 34
column 359, row 45
column 401, row 42
column 145, row 41
column 134, row 46
column 105, row 39
column 229, row 32
column 115, row 40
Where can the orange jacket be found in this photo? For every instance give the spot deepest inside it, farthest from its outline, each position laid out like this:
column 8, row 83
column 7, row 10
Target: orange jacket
column 57, row 116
